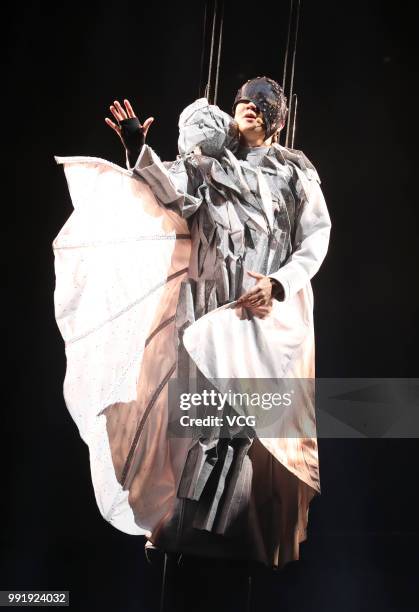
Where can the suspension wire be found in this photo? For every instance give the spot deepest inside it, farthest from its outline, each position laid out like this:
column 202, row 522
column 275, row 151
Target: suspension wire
column 294, row 120
column 163, row 598
column 220, row 41
column 212, row 40
column 208, row 90
column 249, row 594
column 287, row 48
column 204, row 37
column 290, row 97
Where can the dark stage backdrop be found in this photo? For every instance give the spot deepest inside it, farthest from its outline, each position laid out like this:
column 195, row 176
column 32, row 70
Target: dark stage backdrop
column 66, row 62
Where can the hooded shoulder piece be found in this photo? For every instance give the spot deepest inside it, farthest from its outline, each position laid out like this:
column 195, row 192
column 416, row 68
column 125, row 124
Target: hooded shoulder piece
column 206, row 126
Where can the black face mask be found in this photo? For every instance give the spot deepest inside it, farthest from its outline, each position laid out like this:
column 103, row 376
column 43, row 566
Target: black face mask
column 269, row 98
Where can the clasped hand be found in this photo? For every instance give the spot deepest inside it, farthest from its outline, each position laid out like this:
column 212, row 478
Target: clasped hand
column 259, row 298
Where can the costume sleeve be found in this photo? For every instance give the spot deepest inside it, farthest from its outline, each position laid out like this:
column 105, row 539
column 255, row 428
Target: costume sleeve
column 204, row 131
column 310, row 244
column 176, row 184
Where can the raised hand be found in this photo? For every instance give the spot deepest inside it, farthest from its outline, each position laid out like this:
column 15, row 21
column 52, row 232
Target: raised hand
column 121, row 114
column 129, row 128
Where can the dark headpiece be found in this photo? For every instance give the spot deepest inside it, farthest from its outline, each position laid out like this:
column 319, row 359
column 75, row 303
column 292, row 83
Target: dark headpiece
column 269, row 97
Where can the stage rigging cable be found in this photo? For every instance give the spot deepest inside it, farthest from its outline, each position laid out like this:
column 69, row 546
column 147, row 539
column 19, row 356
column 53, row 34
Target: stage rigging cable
column 212, row 38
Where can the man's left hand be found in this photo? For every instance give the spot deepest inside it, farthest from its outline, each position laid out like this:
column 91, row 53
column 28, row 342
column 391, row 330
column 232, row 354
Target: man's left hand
column 259, row 298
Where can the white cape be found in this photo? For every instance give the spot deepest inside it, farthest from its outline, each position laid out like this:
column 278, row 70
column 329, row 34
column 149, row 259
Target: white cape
column 119, row 262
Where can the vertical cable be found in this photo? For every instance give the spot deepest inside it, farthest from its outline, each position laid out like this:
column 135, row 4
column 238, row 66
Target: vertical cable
column 294, row 121
column 204, row 36
column 249, row 594
column 164, row 585
column 208, row 91
column 297, row 20
column 220, row 41
column 284, row 75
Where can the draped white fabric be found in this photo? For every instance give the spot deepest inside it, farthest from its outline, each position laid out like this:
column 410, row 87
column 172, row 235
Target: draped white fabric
column 113, row 259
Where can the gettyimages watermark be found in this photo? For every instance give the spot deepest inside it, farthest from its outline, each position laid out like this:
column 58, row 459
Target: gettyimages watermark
column 241, row 407
column 217, row 406
column 294, row 408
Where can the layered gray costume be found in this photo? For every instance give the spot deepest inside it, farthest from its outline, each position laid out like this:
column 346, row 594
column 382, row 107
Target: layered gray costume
column 244, row 209
column 259, row 210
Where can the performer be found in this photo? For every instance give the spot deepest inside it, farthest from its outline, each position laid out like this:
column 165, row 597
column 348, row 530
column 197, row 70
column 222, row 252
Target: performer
column 196, row 270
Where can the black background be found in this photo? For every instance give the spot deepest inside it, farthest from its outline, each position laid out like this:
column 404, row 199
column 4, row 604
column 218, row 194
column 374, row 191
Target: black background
column 356, row 72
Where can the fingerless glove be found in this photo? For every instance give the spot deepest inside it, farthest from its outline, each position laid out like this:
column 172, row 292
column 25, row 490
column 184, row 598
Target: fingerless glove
column 133, row 138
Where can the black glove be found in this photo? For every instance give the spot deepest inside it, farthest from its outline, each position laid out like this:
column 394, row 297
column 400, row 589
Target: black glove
column 133, row 138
